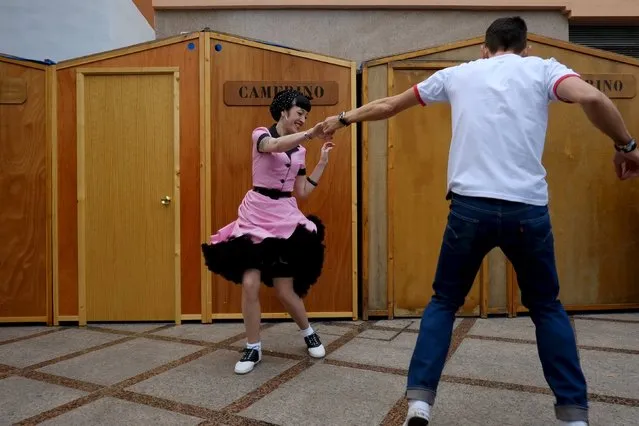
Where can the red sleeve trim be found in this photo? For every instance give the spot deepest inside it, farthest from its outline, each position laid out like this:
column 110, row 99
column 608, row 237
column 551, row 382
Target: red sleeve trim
column 562, row 78
column 418, row 96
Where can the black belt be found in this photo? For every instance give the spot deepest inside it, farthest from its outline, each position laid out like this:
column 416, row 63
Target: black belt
column 272, row 193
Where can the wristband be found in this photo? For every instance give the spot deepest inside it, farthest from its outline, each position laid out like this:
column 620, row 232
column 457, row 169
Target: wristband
column 311, row 181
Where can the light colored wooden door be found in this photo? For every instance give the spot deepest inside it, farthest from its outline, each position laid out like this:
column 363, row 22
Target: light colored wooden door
column 419, row 141
column 128, row 200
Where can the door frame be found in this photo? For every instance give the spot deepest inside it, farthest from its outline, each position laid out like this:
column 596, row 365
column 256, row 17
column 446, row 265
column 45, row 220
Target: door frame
column 81, row 177
column 483, row 272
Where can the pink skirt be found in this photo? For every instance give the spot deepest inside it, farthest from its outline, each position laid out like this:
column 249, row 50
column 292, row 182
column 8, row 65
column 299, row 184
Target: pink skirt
column 272, row 236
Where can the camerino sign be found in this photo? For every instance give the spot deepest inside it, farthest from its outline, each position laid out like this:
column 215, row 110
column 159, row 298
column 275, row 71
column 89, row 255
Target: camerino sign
column 615, row 86
column 260, row 93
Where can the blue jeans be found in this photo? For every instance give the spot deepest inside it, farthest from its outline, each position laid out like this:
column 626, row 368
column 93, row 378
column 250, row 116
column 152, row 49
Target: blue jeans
column 524, row 233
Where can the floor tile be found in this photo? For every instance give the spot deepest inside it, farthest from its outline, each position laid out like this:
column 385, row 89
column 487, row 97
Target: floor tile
column 327, row 328
column 607, row 334
column 8, row 332
column 22, row 398
column 139, row 327
column 378, row 334
column 394, row 323
column 50, row 346
column 459, row 404
column 116, row 363
column 497, row 361
column 212, row 333
column 340, row 396
column 392, row 354
column 210, row 381
column 611, row 374
column 110, row 411
column 510, row 328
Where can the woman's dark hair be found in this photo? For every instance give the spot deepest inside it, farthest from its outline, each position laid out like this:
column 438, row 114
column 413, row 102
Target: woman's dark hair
column 507, row 34
column 287, row 99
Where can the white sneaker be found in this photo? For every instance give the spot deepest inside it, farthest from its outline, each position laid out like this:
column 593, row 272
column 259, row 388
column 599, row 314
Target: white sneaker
column 250, row 357
column 315, row 347
column 417, row 416
column 579, row 423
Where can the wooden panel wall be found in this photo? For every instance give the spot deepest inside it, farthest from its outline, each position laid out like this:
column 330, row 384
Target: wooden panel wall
column 185, row 55
column 332, row 200
column 593, row 213
column 594, row 233
column 24, row 199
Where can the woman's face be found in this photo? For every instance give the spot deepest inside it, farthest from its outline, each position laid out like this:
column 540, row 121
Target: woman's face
column 294, row 119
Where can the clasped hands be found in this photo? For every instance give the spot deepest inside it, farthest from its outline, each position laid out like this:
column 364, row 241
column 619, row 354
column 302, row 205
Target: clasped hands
column 327, row 128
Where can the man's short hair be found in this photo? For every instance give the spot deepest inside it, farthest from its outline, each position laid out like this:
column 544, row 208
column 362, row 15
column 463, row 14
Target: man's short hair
column 507, row 34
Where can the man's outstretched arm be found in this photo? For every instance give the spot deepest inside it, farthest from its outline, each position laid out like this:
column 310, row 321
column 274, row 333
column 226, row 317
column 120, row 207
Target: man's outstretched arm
column 380, row 109
column 599, row 109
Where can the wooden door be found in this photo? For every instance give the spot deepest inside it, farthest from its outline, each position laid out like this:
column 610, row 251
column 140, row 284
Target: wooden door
column 418, row 143
column 128, row 200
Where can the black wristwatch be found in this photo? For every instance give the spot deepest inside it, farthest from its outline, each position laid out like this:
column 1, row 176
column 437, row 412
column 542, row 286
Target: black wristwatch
column 629, row 147
column 342, row 119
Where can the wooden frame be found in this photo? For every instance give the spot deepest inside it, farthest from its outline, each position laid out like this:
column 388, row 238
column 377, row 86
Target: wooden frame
column 206, row 193
column 81, row 189
column 50, row 168
column 205, row 171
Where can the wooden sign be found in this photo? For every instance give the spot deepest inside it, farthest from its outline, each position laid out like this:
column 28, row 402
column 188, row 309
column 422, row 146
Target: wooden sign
column 260, row 93
column 13, row 91
column 615, row 86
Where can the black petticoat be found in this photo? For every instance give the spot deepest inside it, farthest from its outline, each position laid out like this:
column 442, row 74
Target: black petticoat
column 301, row 257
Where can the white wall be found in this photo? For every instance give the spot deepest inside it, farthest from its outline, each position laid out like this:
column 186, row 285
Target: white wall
column 66, row 29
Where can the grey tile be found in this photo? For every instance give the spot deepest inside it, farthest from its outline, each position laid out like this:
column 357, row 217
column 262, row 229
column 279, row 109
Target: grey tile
column 497, row 361
column 50, row 346
column 378, row 334
column 607, row 334
column 210, row 381
column 8, row 332
column 136, row 327
column 328, row 328
column 459, row 404
column 611, row 373
column 509, row 328
column 285, row 338
column 392, row 354
column 111, row 411
column 394, row 323
column 212, row 333
column 629, row 316
column 22, row 398
column 340, row 396
column 116, row 363
column 415, row 324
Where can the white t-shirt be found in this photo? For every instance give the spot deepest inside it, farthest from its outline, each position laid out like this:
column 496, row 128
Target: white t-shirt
column 499, row 118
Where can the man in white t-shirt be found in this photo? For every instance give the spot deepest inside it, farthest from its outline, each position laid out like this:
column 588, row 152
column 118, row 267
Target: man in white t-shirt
column 499, row 198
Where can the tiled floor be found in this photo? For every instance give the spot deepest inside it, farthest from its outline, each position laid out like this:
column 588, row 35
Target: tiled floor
column 161, row 374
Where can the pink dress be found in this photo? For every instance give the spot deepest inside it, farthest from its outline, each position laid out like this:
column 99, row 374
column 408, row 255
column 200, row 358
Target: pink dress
column 271, row 234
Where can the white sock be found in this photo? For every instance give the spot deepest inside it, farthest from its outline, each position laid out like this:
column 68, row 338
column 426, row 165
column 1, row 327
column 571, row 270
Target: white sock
column 257, row 346
column 579, row 423
column 414, row 404
column 307, row 332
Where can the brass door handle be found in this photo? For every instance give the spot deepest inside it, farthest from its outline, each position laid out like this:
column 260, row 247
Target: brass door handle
column 166, row 200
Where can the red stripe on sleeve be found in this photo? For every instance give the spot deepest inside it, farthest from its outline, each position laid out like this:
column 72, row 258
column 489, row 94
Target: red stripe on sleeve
column 554, row 88
column 418, row 96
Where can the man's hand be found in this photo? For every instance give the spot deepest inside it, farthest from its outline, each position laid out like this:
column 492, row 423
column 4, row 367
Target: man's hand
column 331, row 125
column 627, row 165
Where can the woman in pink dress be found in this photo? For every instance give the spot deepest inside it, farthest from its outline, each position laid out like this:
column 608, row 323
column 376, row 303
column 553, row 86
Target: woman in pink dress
column 272, row 241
